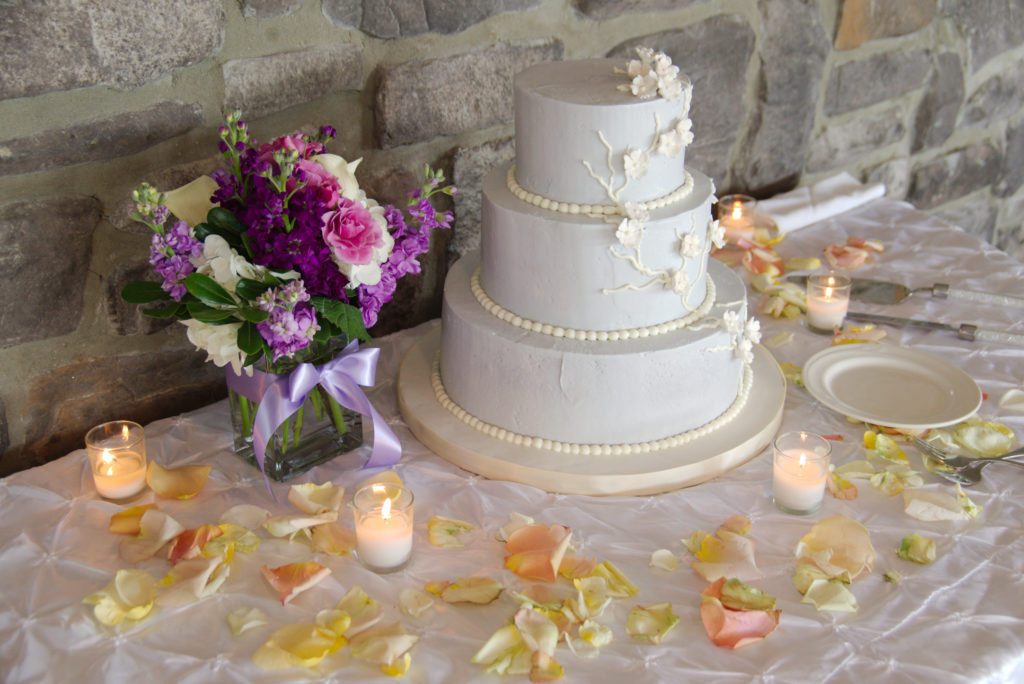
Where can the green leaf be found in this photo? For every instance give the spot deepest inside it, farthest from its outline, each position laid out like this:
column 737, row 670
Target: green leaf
column 346, row 317
column 202, row 231
column 252, row 315
column 143, row 292
column 251, row 289
column 327, row 331
column 173, row 311
column 250, row 359
column 249, row 339
column 207, row 314
column 205, row 289
column 219, row 217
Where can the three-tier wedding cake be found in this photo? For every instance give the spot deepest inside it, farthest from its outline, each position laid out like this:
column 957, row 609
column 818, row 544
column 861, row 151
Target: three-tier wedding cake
column 592, row 327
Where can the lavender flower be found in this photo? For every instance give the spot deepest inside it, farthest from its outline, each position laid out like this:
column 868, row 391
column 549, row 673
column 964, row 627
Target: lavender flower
column 169, row 255
column 292, row 321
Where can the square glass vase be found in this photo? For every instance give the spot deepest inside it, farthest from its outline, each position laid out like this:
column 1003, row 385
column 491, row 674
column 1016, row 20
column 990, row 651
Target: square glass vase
column 319, row 431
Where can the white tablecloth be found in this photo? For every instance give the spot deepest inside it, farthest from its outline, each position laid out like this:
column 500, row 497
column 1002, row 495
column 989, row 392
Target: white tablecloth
column 960, row 619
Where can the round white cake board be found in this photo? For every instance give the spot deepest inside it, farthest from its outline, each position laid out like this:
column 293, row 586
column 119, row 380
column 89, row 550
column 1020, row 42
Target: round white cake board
column 697, row 461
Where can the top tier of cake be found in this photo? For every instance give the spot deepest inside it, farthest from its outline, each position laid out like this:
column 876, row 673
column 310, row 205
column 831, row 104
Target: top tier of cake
column 573, row 114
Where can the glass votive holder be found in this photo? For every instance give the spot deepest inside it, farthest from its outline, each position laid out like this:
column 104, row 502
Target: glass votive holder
column 799, row 469
column 384, row 519
column 828, row 298
column 736, row 216
column 117, row 455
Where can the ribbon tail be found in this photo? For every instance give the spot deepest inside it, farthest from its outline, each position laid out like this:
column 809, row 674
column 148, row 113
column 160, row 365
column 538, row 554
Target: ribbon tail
column 387, row 449
column 275, row 408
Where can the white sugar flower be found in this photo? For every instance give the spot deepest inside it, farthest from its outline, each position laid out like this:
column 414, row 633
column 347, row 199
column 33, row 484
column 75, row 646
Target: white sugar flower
column 220, row 342
column 716, row 234
column 745, row 350
column 684, row 130
column 752, row 330
column 645, row 86
column 635, row 68
column 690, row 246
column 629, row 232
column 680, row 282
column 635, row 163
column 636, row 211
column 733, row 324
column 670, row 144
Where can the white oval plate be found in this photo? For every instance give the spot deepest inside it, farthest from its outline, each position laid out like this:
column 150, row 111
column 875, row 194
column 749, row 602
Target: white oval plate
column 891, row 386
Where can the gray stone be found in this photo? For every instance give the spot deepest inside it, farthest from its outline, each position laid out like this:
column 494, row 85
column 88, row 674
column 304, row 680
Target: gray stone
column 792, row 55
column 64, row 403
column 714, row 54
column 125, row 318
column 469, row 168
column 893, row 174
column 263, row 85
column 268, row 9
column 167, row 179
column 605, row 9
column 864, row 20
column 880, row 77
column 936, row 114
column 990, row 27
column 424, row 99
column 839, row 144
column 43, row 266
column 976, row 215
column 64, row 44
column 954, row 174
column 116, row 136
column 5, row 435
column 997, row 97
column 1011, row 177
column 401, row 18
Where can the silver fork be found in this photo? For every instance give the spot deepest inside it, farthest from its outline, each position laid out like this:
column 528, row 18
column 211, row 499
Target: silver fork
column 962, row 469
column 957, row 460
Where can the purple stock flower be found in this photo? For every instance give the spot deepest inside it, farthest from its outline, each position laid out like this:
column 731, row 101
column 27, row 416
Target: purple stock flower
column 292, row 321
column 170, row 254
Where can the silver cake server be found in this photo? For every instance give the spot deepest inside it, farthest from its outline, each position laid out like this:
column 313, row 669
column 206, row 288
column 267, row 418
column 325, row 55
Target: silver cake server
column 882, row 292
column 964, row 331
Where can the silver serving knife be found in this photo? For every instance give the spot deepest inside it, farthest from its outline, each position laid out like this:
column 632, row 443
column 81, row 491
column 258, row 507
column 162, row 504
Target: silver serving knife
column 882, row 292
column 965, row 331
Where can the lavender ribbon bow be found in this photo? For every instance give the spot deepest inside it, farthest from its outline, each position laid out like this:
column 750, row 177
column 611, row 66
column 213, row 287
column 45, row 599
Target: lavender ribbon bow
column 280, row 396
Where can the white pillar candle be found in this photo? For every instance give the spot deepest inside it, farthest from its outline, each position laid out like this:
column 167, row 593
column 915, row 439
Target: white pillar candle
column 736, row 216
column 117, row 456
column 828, row 298
column 799, row 470
column 384, row 524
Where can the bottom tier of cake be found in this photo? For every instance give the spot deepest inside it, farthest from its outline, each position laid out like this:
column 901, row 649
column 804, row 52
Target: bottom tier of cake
column 555, row 392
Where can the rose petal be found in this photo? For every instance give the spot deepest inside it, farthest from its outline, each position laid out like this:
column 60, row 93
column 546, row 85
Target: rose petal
column 573, row 566
column 536, row 551
column 592, row 597
column 845, row 257
column 127, row 521
column 294, row 578
column 893, row 577
column 1013, row 400
column 839, row 487
column 333, row 539
column 129, row 596
column 592, row 636
column 316, row 498
column 846, row 540
column 478, row 590
column 515, row 521
column 663, row 559
column 177, row 483
column 937, row 505
column 382, row 645
column 539, row 633
column 541, row 596
column 247, row 516
column 917, row 549
column 334, row 620
column 734, row 628
column 189, row 544
column 505, row 652
column 984, row 438
column 399, row 668
column 726, row 554
column 619, row 585
column 383, row 477
column 363, row 611
column 297, row 646
column 779, row 340
column 156, row 528
column 445, row 532
column 792, row 373
column 414, row 602
column 193, row 579
column 856, row 470
column 831, row 596
column 881, row 446
column 286, row 525
column 738, row 524
column 803, row 264
column 241, row 620
column 651, row 623
column 232, row 538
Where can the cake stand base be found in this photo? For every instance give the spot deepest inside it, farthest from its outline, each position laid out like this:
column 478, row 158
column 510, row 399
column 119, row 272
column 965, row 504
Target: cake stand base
column 636, row 474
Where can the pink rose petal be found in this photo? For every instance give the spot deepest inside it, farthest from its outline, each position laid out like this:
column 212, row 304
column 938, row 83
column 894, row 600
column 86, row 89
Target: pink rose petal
column 733, row 629
column 294, row 578
column 536, row 551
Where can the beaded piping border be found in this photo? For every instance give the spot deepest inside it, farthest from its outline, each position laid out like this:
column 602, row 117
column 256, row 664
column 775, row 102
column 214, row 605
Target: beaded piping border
column 594, row 209
column 591, row 449
column 500, row 312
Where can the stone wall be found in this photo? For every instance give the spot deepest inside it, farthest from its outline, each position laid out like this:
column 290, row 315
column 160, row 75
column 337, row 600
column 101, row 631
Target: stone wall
column 927, row 95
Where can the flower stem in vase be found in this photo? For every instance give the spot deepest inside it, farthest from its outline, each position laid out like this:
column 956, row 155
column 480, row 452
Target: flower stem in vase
column 318, row 404
column 336, row 415
column 247, row 417
column 285, row 428
column 297, row 431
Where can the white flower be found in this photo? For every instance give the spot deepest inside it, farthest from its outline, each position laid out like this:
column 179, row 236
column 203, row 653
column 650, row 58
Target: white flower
column 636, row 211
column 680, row 282
column 225, row 265
column 744, row 350
column 653, row 74
column 369, row 273
column 684, row 130
column 345, row 172
column 629, row 232
column 672, row 142
column 733, row 324
column 636, row 67
column 219, row 342
column 690, row 246
column 752, row 330
column 645, row 86
column 191, row 202
column 635, row 163
column 716, row 234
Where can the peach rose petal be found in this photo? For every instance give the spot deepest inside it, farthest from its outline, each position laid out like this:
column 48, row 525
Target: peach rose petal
column 232, row 538
column 726, row 554
column 246, row 515
column 241, row 620
column 289, row 525
column 478, row 590
column 535, row 551
column 190, row 543
column 314, row 499
column 193, row 579
column 515, row 521
column 845, row 257
column 846, row 542
column 619, row 585
column 294, row 578
column 177, row 483
column 333, row 539
column 127, row 521
column 841, row 488
column 156, row 528
column 728, row 628
column 738, row 524
column 574, row 567
column 301, row 645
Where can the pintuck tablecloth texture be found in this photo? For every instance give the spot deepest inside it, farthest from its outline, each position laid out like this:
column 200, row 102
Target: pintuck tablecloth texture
column 960, row 619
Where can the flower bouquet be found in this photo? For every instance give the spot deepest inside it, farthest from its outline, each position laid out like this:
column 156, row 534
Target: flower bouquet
column 277, row 265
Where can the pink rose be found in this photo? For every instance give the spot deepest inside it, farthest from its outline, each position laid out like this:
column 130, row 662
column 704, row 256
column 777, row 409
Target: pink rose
column 316, row 177
column 351, row 232
column 295, row 141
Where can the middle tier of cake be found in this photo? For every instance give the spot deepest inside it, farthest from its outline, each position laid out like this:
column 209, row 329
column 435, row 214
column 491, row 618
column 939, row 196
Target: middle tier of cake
column 631, row 391
column 582, row 272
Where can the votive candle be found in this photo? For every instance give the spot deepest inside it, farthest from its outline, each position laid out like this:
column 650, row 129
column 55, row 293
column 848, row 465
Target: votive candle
column 828, row 298
column 384, row 522
column 117, row 456
column 799, row 468
column 736, row 216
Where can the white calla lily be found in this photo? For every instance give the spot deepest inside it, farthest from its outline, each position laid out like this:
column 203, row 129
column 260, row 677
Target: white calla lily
column 191, row 202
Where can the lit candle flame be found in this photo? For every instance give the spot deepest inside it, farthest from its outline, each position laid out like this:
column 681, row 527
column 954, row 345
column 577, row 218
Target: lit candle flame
column 125, row 434
column 385, row 510
column 108, row 460
column 828, row 293
column 737, row 210
column 803, row 461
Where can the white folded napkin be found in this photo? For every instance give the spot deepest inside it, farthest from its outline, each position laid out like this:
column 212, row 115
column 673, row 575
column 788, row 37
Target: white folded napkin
column 825, row 199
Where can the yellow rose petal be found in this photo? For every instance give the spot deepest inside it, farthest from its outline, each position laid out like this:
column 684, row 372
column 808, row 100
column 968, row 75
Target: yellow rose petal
column 314, row 499
column 241, row 620
column 156, row 528
column 445, row 532
column 478, row 590
column 300, row 645
column 651, row 623
column 414, row 602
column 127, row 521
column 831, row 596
